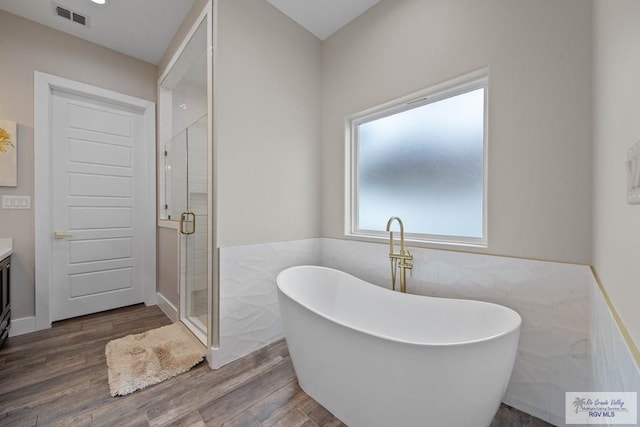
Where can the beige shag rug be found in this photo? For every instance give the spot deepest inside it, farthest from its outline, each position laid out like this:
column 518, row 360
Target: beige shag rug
column 140, row 360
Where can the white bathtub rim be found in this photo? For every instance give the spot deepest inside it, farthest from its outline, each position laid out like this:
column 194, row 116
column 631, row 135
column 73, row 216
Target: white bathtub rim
column 506, row 332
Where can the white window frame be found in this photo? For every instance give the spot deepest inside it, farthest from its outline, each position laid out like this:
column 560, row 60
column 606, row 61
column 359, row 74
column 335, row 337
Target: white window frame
column 456, row 86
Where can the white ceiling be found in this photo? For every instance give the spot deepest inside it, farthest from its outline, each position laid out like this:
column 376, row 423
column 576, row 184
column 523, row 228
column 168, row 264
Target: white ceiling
column 139, row 28
column 144, row 28
column 323, row 17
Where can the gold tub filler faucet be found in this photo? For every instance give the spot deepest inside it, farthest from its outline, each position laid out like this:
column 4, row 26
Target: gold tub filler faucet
column 399, row 260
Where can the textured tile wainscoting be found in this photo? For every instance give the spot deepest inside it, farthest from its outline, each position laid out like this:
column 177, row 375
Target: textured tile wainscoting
column 614, row 368
column 555, row 301
column 249, row 313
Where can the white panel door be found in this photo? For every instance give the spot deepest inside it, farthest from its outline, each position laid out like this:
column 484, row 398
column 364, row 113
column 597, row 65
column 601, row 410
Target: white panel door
column 97, row 203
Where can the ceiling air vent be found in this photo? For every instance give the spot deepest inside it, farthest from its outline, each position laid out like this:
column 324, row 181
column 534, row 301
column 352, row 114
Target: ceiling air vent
column 70, row 15
column 82, row 20
column 63, row 13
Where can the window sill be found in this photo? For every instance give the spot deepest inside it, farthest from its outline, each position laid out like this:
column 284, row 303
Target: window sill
column 434, row 243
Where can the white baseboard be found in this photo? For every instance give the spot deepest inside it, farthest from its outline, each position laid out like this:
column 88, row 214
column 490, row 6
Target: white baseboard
column 167, row 308
column 213, row 359
column 22, row 326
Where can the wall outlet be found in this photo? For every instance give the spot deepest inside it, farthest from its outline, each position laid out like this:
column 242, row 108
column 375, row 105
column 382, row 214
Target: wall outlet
column 16, row 202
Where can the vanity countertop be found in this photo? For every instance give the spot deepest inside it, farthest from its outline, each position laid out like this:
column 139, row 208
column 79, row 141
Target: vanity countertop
column 6, row 247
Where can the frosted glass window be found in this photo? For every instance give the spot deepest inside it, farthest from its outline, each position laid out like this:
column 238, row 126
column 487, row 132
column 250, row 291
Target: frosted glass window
column 424, row 162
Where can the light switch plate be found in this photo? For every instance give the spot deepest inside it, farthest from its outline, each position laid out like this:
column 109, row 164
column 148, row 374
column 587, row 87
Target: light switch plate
column 16, row 202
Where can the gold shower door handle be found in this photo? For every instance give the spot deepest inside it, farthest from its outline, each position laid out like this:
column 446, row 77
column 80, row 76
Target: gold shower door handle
column 61, row 235
column 187, row 218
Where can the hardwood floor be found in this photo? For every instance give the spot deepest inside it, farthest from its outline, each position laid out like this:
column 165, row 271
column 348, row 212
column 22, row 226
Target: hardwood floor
column 58, row 377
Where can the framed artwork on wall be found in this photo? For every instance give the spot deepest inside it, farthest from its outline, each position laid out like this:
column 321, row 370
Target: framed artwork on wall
column 8, row 154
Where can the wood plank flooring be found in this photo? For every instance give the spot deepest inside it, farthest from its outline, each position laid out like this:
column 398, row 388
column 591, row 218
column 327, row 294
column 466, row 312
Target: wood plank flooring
column 58, row 377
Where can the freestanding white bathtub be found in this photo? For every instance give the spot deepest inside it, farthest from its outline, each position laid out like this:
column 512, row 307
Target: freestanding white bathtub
column 374, row 357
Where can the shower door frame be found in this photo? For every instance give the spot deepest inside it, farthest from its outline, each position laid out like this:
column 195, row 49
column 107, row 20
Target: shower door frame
column 164, row 98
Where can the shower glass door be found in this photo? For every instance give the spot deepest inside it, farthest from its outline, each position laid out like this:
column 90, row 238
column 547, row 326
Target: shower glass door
column 185, row 138
column 186, row 181
column 194, row 231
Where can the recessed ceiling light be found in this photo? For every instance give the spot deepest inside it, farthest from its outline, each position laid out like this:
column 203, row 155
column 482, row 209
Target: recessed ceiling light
column 99, row 1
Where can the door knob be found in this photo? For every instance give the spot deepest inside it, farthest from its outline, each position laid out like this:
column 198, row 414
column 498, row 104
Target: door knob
column 61, row 235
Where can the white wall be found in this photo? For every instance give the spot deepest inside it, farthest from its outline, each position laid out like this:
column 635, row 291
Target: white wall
column 168, row 264
column 267, row 91
column 539, row 59
column 25, row 47
column 185, row 27
column 616, row 248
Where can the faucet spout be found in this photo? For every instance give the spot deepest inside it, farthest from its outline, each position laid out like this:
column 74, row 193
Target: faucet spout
column 402, row 259
column 401, row 225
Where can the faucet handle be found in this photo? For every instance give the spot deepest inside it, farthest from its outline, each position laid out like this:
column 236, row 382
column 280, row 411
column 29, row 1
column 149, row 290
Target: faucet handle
column 405, row 262
column 408, row 265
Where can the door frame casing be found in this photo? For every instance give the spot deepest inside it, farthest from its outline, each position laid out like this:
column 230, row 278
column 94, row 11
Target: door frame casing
column 44, row 84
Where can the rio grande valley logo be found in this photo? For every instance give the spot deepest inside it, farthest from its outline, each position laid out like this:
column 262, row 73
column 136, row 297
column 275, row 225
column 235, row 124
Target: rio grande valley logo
column 601, row 408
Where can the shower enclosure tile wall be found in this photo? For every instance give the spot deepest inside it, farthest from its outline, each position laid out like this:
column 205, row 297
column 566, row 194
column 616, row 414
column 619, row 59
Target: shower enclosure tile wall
column 196, row 263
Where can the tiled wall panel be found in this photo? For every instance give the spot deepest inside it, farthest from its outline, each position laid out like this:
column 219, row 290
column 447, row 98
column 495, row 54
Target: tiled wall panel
column 555, row 300
column 249, row 313
column 614, row 368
